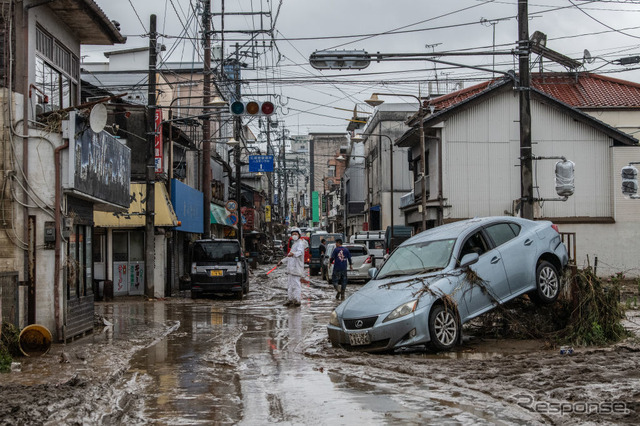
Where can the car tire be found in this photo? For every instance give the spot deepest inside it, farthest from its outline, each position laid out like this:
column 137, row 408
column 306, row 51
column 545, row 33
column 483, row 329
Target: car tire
column 547, row 284
column 239, row 295
column 444, row 328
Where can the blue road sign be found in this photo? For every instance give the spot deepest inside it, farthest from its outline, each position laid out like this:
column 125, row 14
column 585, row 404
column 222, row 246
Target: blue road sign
column 261, row 163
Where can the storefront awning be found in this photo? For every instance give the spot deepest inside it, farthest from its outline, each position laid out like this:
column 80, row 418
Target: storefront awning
column 135, row 216
column 218, row 214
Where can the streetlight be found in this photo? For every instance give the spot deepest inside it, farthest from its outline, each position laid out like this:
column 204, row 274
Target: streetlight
column 375, row 101
column 361, row 139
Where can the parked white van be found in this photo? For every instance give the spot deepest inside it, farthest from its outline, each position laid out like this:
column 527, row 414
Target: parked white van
column 374, row 241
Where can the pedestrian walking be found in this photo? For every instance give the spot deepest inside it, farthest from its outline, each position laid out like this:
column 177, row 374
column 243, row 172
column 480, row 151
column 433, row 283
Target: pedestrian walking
column 295, row 268
column 323, row 247
column 340, row 258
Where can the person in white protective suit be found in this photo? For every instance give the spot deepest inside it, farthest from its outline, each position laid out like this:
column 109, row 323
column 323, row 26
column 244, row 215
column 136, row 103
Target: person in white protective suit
column 295, row 268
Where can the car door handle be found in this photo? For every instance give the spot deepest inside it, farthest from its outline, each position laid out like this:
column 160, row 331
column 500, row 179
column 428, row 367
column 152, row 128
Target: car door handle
column 528, row 242
column 495, row 260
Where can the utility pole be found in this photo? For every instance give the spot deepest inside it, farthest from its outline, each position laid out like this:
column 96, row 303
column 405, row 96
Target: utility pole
column 526, row 163
column 150, row 243
column 206, row 124
column 237, row 136
column 284, row 168
column 270, row 182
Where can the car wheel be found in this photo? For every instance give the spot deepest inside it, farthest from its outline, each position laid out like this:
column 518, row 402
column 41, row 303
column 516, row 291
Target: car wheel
column 444, row 328
column 239, row 295
column 547, row 284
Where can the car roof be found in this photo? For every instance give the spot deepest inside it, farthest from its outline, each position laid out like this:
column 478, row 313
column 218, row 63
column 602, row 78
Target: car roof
column 455, row 229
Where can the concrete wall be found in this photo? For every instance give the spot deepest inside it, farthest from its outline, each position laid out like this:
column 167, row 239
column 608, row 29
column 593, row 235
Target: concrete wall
column 41, row 191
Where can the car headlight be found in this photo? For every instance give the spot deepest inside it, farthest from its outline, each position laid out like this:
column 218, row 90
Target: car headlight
column 402, row 310
column 333, row 320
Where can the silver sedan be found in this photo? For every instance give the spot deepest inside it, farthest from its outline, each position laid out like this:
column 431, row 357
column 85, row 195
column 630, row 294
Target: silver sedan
column 438, row 280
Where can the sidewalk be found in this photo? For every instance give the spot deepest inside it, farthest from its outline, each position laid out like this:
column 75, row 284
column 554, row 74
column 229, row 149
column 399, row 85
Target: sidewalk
column 100, row 355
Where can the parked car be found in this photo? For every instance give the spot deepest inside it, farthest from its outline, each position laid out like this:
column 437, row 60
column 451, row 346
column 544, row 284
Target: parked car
column 424, row 292
column 218, row 266
column 361, row 259
column 278, row 244
column 315, row 261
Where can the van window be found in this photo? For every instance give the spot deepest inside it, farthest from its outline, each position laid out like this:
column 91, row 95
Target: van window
column 216, row 252
column 376, row 244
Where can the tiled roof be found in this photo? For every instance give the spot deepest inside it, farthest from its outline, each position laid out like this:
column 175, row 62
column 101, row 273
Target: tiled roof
column 589, row 90
column 582, row 91
column 453, row 98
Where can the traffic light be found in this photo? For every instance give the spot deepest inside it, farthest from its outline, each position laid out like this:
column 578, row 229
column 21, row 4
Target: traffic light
column 252, row 108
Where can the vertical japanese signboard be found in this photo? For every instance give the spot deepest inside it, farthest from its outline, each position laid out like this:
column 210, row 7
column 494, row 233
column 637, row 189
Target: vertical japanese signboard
column 267, row 213
column 315, row 208
column 158, row 140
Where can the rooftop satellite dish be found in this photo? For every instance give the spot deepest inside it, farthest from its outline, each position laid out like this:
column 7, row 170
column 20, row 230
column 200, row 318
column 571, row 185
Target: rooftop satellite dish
column 98, row 118
column 587, row 57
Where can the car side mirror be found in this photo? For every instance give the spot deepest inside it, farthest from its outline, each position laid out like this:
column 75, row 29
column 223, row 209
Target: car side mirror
column 469, row 259
column 372, row 272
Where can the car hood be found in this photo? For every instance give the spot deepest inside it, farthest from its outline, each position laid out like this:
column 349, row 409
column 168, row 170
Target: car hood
column 382, row 296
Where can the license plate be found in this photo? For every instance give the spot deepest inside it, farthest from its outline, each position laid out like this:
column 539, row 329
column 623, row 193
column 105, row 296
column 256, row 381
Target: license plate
column 359, row 339
column 215, row 272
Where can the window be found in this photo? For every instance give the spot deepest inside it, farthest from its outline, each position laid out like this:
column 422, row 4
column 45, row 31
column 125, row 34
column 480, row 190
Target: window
column 332, row 171
column 502, row 232
column 474, row 244
column 56, row 71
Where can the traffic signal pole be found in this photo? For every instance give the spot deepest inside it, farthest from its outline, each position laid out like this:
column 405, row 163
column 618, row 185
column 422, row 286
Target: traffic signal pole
column 237, row 136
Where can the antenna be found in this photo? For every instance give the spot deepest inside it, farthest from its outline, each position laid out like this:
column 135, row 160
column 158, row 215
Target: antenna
column 98, row 118
column 586, row 57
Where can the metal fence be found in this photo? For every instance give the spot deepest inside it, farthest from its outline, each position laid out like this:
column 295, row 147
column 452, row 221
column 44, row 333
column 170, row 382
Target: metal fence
column 10, row 310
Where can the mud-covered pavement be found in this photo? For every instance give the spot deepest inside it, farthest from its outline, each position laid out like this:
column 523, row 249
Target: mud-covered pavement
column 223, row 361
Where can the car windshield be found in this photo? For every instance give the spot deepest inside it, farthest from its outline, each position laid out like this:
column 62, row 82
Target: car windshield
column 216, row 252
column 316, row 238
column 418, row 258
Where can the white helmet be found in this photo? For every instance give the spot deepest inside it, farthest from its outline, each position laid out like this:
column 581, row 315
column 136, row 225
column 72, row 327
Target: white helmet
column 292, row 230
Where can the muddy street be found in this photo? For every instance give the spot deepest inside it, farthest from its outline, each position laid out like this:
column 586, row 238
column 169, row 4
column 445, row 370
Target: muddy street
column 255, row 361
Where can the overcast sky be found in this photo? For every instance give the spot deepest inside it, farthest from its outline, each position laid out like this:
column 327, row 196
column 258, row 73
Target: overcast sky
column 314, row 100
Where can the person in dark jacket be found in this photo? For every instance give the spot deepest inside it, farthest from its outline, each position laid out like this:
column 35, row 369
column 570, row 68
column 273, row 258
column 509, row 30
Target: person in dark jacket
column 340, row 258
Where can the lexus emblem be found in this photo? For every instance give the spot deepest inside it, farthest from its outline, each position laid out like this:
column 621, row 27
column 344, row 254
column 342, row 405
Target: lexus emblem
column 359, row 324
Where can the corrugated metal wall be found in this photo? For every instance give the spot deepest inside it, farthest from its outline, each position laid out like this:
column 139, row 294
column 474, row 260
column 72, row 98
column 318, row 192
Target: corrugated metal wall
column 481, row 155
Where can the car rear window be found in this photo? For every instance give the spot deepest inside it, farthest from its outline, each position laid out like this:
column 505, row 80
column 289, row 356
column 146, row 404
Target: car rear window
column 216, row 252
column 357, row 251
